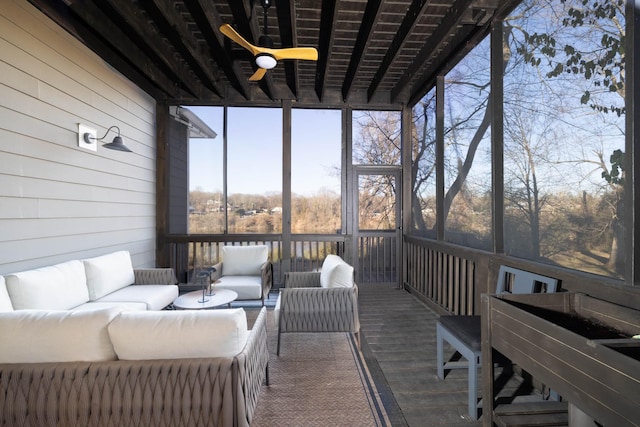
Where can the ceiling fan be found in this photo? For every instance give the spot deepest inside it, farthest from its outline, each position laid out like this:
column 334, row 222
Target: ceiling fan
column 265, row 55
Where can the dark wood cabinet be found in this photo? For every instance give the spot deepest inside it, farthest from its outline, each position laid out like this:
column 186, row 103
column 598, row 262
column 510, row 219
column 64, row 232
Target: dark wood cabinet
column 579, row 346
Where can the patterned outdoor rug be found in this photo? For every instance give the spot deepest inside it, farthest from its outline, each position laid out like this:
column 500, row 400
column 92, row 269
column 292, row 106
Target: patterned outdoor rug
column 319, row 379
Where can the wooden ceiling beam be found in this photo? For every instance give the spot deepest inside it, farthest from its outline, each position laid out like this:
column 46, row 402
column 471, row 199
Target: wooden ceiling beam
column 370, row 19
column 175, row 29
column 288, row 30
column 208, row 21
column 129, row 19
column 454, row 46
column 328, row 16
column 87, row 23
column 450, row 22
column 416, row 10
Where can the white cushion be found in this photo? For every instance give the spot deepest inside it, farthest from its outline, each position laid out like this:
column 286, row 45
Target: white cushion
column 247, row 287
column 341, row 276
column 5, row 301
column 144, row 335
column 57, row 287
column 156, row 297
column 123, row 306
column 36, row 336
column 108, row 273
column 243, row 260
column 330, row 277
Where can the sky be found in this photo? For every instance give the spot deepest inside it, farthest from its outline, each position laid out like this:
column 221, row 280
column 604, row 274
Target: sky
column 255, row 151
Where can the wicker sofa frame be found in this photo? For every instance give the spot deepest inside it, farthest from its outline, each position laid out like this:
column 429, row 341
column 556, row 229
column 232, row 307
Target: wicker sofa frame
column 213, row 392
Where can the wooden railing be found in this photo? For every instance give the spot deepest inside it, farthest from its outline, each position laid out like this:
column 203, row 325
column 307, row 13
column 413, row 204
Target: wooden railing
column 449, row 276
column 306, row 251
column 377, row 257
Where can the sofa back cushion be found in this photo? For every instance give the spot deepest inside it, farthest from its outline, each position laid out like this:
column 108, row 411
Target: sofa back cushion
column 336, row 273
column 5, row 301
column 243, row 260
column 145, row 335
column 57, row 287
column 108, row 273
column 37, row 336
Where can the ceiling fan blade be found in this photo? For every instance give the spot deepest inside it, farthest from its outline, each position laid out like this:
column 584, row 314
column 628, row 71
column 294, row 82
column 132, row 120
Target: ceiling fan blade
column 228, row 31
column 258, row 75
column 308, row 53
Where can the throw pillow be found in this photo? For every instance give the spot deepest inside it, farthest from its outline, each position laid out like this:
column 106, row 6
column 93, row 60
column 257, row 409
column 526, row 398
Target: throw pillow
column 329, row 263
column 341, row 276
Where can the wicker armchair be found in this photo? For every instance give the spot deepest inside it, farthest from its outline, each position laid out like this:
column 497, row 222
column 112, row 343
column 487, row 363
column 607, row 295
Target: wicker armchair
column 305, row 306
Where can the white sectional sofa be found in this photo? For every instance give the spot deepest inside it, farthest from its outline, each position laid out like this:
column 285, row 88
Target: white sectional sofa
column 104, row 281
column 86, row 343
column 113, row 366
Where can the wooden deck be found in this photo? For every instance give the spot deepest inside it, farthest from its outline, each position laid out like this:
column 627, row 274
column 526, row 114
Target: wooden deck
column 399, row 347
column 399, row 338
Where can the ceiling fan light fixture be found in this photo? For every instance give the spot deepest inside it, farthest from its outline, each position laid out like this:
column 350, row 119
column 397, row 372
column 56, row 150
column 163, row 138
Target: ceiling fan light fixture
column 266, row 61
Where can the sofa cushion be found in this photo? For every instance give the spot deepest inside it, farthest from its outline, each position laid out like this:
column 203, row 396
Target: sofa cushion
column 123, row 306
column 57, row 287
column 108, row 273
column 247, row 287
column 5, row 301
column 36, row 336
column 145, row 335
column 155, row 297
column 336, row 273
column 243, row 260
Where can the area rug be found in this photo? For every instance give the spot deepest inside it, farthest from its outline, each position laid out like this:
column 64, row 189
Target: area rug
column 319, row 379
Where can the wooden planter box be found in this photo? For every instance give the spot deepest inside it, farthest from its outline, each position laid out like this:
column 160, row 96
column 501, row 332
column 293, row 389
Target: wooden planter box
column 579, row 346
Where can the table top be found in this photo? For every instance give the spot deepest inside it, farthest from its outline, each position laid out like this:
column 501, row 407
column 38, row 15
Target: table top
column 193, row 300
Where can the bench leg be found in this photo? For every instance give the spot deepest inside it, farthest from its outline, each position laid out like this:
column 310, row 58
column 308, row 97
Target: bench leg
column 473, row 386
column 439, row 351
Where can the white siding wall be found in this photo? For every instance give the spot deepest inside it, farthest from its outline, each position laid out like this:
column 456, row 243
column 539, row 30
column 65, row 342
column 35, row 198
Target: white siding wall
column 59, row 201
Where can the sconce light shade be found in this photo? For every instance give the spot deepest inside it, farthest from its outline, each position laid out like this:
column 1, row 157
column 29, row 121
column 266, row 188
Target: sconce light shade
column 116, row 144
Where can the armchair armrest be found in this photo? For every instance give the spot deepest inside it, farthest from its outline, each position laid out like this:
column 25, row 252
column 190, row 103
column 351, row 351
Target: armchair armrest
column 266, row 277
column 302, row 279
column 218, row 273
column 154, row 276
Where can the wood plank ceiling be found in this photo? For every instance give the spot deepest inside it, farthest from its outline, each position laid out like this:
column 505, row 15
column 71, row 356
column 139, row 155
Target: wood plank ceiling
column 371, row 53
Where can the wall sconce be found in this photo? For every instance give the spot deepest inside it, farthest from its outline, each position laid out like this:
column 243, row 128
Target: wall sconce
column 87, row 136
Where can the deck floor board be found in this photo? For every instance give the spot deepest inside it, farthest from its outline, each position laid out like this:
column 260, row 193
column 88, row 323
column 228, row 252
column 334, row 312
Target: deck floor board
column 399, row 335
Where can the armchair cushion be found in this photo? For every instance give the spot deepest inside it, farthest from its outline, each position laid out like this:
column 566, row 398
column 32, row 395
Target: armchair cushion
column 247, row 287
column 108, row 273
column 56, row 287
column 243, row 260
column 142, row 335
